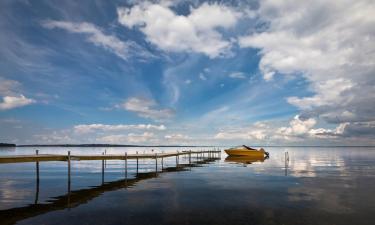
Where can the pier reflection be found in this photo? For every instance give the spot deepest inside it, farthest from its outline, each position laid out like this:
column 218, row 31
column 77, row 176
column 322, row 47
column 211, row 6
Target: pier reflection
column 77, row 197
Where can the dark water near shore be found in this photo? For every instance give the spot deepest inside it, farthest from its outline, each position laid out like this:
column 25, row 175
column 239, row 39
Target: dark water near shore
column 315, row 186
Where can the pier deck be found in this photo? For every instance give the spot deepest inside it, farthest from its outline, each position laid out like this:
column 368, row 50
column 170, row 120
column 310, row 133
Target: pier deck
column 55, row 157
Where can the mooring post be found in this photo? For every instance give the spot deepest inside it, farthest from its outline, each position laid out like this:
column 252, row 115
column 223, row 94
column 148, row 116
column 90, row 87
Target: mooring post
column 105, row 161
column 37, row 179
column 69, row 172
column 162, row 163
column 156, row 162
column 103, row 169
column 190, row 157
column 126, row 165
column 137, row 162
column 177, row 159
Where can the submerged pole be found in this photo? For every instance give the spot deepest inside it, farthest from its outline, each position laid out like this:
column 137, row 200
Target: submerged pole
column 177, row 159
column 69, row 172
column 137, row 162
column 156, row 162
column 162, row 163
column 105, row 161
column 103, row 169
column 37, row 179
column 126, row 165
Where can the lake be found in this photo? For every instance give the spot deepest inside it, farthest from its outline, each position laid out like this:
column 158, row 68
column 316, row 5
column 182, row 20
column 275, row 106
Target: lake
column 308, row 185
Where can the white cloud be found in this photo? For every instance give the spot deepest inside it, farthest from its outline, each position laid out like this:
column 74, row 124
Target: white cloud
column 258, row 131
column 328, row 93
column 11, row 102
column 297, row 127
column 237, row 75
column 187, row 81
column 196, row 32
column 88, row 128
column 95, row 35
column 145, row 137
column 176, row 137
column 331, row 45
column 147, row 108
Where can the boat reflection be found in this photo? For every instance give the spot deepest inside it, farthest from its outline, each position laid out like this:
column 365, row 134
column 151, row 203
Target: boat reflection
column 245, row 160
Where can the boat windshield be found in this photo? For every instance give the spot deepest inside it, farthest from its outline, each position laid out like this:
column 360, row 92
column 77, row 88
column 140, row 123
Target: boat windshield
column 243, row 147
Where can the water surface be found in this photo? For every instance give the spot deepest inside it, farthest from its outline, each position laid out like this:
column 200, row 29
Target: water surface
column 315, row 186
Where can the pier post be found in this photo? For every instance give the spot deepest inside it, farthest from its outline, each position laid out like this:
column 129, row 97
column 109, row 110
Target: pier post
column 103, row 169
column 37, row 179
column 190, row 157
column 137, row 161
column 126, row 165
column 162, row 163
column 156, row 162
column 177, row 159
column 68, row 172
column 105, row 161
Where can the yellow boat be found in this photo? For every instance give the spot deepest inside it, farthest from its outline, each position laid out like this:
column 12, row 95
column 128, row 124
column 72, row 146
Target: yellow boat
column 246, row 151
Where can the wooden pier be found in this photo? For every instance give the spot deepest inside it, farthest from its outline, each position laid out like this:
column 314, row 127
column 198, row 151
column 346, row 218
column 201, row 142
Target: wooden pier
column 74, row 198
column 54, row 157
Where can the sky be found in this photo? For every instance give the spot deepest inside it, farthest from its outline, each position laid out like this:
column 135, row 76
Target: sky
column 187, row 72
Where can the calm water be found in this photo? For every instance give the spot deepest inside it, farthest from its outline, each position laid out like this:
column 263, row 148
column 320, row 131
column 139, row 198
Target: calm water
column 315, row 186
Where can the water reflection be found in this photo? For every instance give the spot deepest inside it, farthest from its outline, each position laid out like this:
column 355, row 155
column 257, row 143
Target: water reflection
column 245, row 160
column 302, row 186
column 78, row 197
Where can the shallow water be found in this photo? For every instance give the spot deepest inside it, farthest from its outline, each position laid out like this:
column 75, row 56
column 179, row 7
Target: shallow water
column 315, row 186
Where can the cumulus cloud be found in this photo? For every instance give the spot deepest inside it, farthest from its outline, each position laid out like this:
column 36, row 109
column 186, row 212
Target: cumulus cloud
column 129, row 138
column 9, row 91
column 196, row 32
column 237, row 75
column 331, row 45
column 258, row 131
column 11, row 102
column 95, row 35
column 176, row 137
column 88, row 128
column 146, row 108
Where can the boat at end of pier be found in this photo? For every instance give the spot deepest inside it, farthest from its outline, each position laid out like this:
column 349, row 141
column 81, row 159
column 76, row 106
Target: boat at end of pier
column 244, row 150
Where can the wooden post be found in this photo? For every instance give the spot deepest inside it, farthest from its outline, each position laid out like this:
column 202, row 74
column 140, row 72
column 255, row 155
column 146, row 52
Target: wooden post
column 137, row 162
column 126, row 165
column 190, row 157
column 156, row 162
column 177, row 159
column 69, row 172
column 162, row 163
column 105, row 161
column 103, row 169
column 37, row 179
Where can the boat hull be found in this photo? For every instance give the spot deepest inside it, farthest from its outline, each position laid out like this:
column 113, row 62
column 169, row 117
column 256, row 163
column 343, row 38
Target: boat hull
column 240, row 152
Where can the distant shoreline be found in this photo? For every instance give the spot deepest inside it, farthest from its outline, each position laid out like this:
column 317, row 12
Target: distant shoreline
column 174, row 146
column 111, row 145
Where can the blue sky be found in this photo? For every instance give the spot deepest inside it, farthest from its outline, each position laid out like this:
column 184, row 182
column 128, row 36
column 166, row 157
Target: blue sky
column 187, row 72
